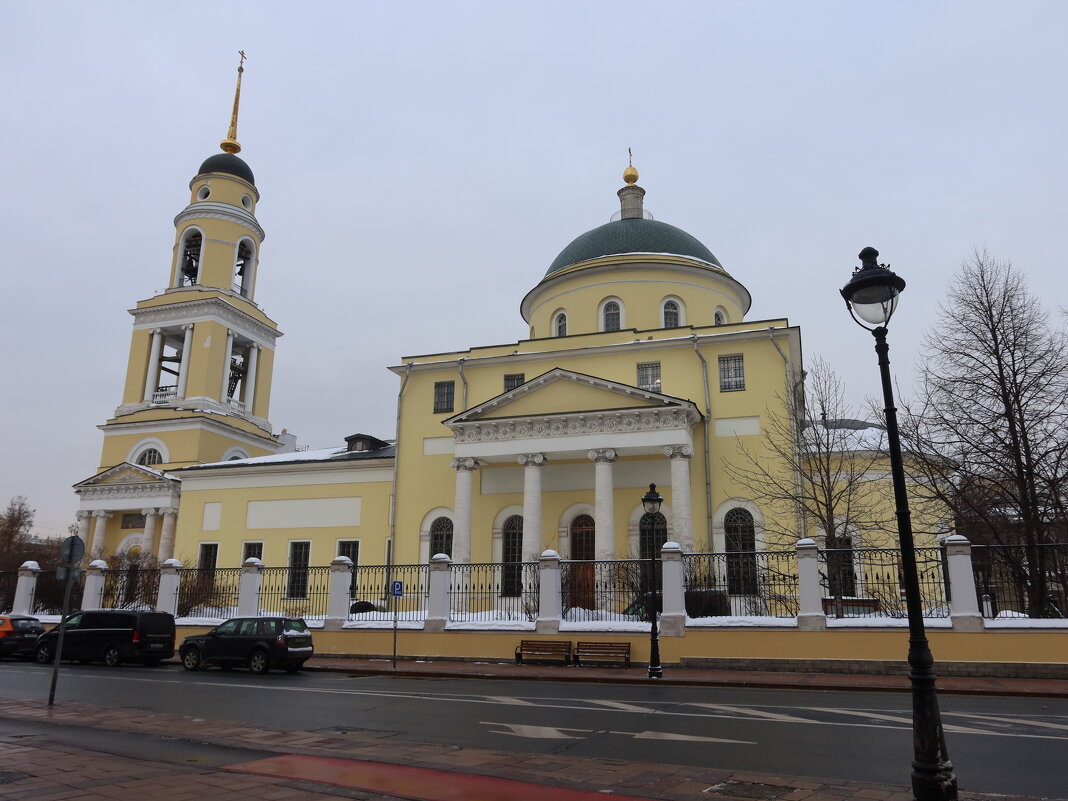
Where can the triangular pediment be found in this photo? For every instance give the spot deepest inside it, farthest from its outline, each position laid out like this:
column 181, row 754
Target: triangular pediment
column 562, row 391
column 125, row 474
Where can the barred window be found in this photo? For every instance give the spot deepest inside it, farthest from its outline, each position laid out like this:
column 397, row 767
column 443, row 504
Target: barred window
column 133, row 520
column 251, row 550
column 299, row 559
column 649, row 376
column 349, row 548
column 720, row 318
column 671, row 314
column 208, row 556
column 731, row 373
column 611, row 316
column 512, row 556
column 441, row 536
column 513, row 380
column 149, row 457
column 444, row 394
column 561, row 325
column 740, row 540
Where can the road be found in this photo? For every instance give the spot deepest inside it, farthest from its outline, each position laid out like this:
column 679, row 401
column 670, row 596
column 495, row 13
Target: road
column 998, row 745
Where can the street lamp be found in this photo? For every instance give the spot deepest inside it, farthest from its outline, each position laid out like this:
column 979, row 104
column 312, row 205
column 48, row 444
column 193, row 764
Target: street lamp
column 871, row 297
column 651, row 501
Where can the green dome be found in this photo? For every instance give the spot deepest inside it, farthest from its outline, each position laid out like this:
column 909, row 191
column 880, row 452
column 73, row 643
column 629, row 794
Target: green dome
column 632, row 235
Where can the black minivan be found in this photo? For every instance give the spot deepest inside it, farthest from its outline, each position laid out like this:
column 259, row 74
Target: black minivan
column 111, row 636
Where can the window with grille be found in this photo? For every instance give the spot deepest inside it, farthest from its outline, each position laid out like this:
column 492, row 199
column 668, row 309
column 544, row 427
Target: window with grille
column 133, row 520
column 444, row 396
column 349, row 548
column 671, row 314
column 649, row 376
column 208, row 556
column 720, row 318
column 513, row 380
column 299, row 559
column 740, row 540
column 561, row 325
column 731, row 373
column 512, row 556
column 251, row 550
column 441, row 536
column 611, row 316
column 149, row 457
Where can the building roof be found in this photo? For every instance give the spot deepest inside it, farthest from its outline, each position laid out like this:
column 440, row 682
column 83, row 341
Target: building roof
column 299, row 457
column 229, row 164
column 631, row 235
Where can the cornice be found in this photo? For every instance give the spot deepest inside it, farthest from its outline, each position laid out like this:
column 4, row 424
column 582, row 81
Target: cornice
column 575, row 423
column 265, row 441
column 209, row 210
column 215, row 309
column 171, row 489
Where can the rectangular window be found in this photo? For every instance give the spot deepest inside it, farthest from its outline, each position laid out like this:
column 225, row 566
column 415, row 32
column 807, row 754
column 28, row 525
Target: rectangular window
column 251, row 550
column 299, row 559
column 133, row 520
column 349, row 548
column 731, row 373
column 209, row 555
column 444, row 392
column 513, row 380
column 649, row 376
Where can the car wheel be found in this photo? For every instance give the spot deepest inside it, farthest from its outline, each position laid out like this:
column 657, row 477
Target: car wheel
column 258, row 662
column 112, row 657
column 191, row 659
column 43, row 654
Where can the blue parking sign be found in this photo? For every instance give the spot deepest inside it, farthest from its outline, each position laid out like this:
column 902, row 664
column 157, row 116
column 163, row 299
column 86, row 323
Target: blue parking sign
column 397, row 589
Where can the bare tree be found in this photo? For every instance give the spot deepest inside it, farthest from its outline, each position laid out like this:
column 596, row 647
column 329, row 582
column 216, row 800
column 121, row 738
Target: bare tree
column 989, row 429
column 16, row 521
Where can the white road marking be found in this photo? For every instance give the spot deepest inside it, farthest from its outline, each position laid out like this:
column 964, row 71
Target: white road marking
column 1021, row 721
column 755, row 713
column 667, row 735
column 906, row 722
column 620, row 706
column 504, row 699
column 533, row 732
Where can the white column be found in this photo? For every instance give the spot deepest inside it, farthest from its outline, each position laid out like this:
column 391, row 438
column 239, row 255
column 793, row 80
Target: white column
column 532, row 463
column 166, row 536
column 339, row 594
column 169, row 583
column 963, row 603
column 154, row 354
column 250, row 377
column 93, row 592
column 673, row 593
column 148, row 539
column 99, row 532
column 437, row 613
column 810, row 616
column 550, row 598
column 25, row 587
column 681, row 507
column 187, row 354
column 248, row 588
column 227, row 356
column 83, row 528
column 461, row 530
column 604, row 533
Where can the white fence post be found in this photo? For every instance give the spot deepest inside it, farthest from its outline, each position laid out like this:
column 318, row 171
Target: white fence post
column 810, row 615
column 550, row 594
column 673, row 592
column 963, row 604
column 25, row 588
column 437, row 613
column 93, row 595
column 169, row 582
column 248, row 590
column 339, row 597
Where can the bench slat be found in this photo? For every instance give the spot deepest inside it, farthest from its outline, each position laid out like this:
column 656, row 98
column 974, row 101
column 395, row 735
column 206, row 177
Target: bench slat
column 543, row 648
column 605, row 651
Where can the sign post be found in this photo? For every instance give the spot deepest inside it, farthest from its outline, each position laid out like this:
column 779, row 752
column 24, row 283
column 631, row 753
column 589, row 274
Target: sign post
column 71, row 551
column 396, row 591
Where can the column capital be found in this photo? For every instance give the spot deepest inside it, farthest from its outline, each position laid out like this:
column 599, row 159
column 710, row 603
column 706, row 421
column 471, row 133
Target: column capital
column 168, row 510
column 102, row 514
column 83, row 515
column 149, row 511
column 602, row 455
column 187, row 326
column 155, row 331
column 464, row 463
column 532, row 459
column 678, row 451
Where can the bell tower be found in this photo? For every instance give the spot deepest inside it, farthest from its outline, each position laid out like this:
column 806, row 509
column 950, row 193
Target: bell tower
column 198, row 379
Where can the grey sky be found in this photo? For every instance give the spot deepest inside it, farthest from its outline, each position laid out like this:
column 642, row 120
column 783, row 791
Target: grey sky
column 421, row 164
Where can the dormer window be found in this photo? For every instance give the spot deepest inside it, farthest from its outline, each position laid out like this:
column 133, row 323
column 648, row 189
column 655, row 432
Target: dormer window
column 611, row 316
column 189, row 263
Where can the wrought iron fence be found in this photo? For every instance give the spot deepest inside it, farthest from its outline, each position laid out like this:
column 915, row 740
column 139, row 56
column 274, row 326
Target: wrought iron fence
column 372, row 599
column 1021, row 581
column 295, row 591
column 206, row 592
column 870, row 582
column 606, row 590
column 741, row 583
column 494, row 592
column 49, row 590
column 130, row 588
column 9, row 580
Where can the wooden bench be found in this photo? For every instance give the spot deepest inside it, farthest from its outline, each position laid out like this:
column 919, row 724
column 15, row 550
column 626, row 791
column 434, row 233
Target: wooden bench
column 544, row 649
column 603, row 652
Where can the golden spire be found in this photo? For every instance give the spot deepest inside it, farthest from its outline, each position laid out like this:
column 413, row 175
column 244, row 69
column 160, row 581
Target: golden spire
column 630, row 175
column 230, row 143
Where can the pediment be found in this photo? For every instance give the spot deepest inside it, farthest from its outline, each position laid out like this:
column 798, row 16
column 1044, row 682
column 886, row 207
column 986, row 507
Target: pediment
column 125, row 474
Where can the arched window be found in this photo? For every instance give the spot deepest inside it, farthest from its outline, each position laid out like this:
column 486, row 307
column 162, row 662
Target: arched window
column 512, row 556
column 189, row 259
column 720, row 318
column 652, row 534
column 560, row 325
column 740, row 536
column 243, row 268
column 441, row 536
column 581, row 583
column 149, row 457
column 611, row 316
column 841, row 575
column 671, row 314
column 582, row 538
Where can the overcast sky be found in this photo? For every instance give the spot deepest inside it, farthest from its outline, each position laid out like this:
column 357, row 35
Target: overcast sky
column 421, row 164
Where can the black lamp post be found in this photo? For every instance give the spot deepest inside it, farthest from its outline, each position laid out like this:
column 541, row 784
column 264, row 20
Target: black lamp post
column 651, row 501
column 871, row 297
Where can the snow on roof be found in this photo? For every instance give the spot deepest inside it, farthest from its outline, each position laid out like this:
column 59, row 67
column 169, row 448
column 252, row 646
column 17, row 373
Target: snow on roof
column 293, row 457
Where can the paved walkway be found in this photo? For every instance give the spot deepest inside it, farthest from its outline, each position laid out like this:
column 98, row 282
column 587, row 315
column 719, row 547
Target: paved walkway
column 40, row 764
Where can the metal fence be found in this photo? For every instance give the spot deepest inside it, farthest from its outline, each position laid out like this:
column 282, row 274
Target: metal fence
column 48, row 594
column 294, row 591
column 870, row 582
column 741, row 583
column 371, row 597
column 130, row 588
column 206, row 592
column 606, row 590
column 494, row 592
column 9, row 580
column 1021, row 581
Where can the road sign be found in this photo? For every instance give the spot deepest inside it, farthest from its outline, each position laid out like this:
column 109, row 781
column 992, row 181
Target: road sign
column 397, row 589
column 71, row 550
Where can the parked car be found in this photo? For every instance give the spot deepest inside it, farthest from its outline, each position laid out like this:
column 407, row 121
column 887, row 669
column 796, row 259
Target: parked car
column 258, row 643
column 18, row 635
column 111, row 636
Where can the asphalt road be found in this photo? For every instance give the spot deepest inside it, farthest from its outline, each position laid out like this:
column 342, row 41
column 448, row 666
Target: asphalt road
column 999, row 745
